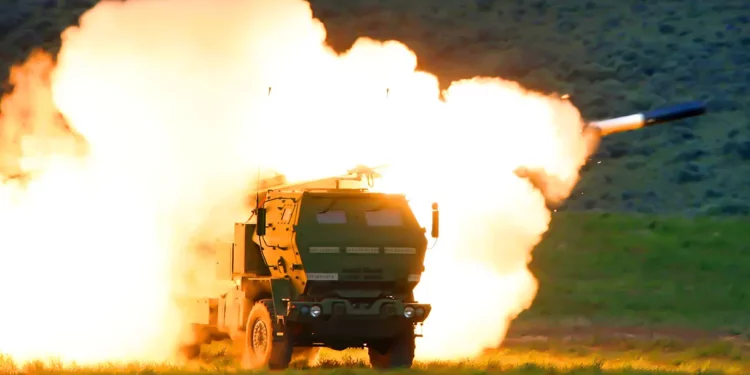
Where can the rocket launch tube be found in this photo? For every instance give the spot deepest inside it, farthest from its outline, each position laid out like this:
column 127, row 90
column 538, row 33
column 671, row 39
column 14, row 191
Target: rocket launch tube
column 653, row 117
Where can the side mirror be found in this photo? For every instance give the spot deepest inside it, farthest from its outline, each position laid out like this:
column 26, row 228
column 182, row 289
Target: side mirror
column 260, row 228
column 435, row 221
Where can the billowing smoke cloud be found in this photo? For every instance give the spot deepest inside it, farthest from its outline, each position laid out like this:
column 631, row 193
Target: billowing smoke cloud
column 166, row 119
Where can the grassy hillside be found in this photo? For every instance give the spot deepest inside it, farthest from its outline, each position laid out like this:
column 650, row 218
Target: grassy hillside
column 640, row 270
column 669, row 291
column 614, row 57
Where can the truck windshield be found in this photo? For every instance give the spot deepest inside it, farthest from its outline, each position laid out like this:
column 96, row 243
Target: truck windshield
column 331, row 217
column 384, row 217
column 373, row 213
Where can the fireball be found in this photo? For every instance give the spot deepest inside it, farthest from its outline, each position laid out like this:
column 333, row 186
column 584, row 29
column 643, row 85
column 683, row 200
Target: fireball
column 141, row 140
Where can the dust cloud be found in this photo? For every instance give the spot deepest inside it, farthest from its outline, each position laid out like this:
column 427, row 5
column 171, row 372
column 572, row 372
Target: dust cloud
column 141, row 144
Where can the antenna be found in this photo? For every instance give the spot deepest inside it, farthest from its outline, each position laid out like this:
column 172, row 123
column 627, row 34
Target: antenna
column 257, row 179
column 258, row 211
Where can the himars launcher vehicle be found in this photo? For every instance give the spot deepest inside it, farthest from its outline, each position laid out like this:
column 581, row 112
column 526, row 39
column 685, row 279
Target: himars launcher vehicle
column 322, row 263
column 329, row 263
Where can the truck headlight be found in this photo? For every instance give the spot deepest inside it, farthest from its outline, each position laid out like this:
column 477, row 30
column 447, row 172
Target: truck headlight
column 408, row 312
column 420, row 311
column 315, row 311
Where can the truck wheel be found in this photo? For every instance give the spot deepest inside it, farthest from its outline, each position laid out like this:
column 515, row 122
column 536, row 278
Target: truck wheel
column 398, row 353
column 262, row 346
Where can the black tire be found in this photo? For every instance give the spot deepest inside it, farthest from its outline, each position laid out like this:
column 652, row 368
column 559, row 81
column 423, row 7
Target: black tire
column 262, row 347
column 398, row 353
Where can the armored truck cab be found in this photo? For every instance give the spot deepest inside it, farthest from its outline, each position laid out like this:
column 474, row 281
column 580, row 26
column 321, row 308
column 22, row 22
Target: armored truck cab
column 321, row 265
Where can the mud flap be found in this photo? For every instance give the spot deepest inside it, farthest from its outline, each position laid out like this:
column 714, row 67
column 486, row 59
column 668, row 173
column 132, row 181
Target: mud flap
column 199, row 312
column 234, row 311
column 281, row 290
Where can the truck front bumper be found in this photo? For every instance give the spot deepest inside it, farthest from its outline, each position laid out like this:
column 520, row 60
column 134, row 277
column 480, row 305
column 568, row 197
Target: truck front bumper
column 342, row 318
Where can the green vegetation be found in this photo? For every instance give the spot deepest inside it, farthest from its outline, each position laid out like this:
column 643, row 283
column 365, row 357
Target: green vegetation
column 660, row 291
column 640, row 270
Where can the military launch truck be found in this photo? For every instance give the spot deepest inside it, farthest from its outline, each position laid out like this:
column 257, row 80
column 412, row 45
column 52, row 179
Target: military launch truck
column 325, row 263
column 329, row 263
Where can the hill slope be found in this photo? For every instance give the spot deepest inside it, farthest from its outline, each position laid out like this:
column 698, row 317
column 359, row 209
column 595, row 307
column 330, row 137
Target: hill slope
column 613, row 57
